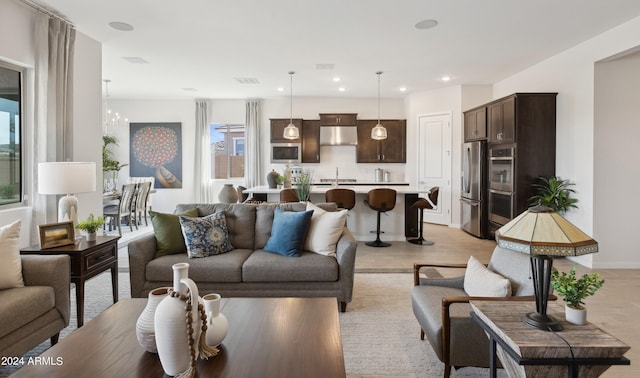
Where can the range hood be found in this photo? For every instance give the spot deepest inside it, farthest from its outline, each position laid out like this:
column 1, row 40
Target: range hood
column 338, row 136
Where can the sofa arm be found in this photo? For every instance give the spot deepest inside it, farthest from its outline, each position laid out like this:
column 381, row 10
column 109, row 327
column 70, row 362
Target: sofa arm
column 50, row 270
column 346, row 257
column 141, row 252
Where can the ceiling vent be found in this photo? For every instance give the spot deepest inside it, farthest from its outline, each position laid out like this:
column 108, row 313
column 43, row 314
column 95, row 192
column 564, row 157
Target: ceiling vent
column 246, row 80
column 324, row 66
column 135, row 60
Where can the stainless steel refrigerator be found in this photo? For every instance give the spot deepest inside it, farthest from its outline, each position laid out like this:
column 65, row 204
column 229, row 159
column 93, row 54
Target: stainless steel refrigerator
column 473, row 199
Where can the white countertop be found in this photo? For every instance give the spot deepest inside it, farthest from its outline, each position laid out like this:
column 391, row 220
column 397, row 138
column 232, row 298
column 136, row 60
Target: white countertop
column 359, row 189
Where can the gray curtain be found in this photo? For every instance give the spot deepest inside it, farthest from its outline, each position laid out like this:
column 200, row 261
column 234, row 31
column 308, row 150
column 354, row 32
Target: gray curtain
column 53, row 107
column 252, row 157
column 202, row 167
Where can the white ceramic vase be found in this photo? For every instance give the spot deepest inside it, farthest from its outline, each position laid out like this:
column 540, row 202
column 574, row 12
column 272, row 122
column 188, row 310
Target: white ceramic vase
column 171, row 327
column 145, row 326
column 575, row 316
column 91, row 236
column 217, row 323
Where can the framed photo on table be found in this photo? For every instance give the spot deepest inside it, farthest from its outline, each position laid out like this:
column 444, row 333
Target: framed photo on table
column 56, row 234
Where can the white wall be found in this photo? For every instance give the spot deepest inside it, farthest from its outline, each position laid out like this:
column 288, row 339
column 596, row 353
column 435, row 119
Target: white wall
column 616, row 170
column 571, row 74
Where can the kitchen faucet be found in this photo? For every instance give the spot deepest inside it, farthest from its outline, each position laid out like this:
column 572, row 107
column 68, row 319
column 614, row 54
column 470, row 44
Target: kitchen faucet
column 336, row 183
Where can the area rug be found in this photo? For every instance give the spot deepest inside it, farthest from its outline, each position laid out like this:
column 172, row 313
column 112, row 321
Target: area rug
column 380, row 335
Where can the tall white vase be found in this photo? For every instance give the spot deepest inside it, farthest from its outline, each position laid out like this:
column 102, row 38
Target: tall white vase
column 171, row 326
column 217, row 323
column 145, row 326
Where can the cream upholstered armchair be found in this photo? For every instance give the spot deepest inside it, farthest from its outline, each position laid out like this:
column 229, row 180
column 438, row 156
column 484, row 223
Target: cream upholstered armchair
column 40, row 309
column 441, row 305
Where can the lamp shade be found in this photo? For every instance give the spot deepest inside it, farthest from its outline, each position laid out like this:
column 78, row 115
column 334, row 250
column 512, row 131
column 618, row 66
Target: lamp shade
column 66, row 177
column 542, row 231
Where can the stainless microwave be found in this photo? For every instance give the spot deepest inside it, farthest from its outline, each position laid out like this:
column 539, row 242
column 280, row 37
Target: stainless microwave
column 286, row 153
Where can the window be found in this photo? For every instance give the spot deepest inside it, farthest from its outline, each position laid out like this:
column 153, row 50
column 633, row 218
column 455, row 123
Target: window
column 227, row 151
column 11, row 78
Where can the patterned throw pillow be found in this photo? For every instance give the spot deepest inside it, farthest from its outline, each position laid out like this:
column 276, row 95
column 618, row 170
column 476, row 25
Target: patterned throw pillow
column 206, row 236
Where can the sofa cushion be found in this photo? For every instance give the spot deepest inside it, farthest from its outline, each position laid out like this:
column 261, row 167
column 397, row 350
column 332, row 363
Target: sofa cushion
column 10, row 264
column 226, row 267
column 206, row 236
column 22, row 305
column 264, row 266
column 324, row 230
column 481, row 282
column 166, row 227
column 288, row 232
column 241, row 220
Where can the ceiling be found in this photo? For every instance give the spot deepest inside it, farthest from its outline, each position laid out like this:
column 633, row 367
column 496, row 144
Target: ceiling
column 199, row 48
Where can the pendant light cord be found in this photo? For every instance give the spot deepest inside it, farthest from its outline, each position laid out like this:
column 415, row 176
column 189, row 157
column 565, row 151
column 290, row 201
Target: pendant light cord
column 291, row 97
column 379, row 73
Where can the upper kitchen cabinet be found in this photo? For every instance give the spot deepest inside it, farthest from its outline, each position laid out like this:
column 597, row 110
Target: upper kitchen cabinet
column 475, row 124
column 311, row 141
column 502, row 121
column 390, row 150
column 277, row 130
column 528, row 113
column 336, row 119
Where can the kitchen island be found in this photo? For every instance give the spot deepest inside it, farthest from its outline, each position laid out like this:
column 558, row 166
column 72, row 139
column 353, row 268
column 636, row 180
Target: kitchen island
column 398, row 225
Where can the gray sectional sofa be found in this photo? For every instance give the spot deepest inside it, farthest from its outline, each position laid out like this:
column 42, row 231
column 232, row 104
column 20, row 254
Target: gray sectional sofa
column 247, row 270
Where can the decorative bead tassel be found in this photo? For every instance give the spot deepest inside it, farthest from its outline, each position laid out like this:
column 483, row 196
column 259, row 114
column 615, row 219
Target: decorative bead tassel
column 205, row 350
column 191, row 371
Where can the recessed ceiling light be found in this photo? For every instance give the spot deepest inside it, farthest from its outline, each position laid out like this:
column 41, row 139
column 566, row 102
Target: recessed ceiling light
column 121, row 26
column 336, row 79
column 445, row 78
column 280, row 89
column 426, row 24
column 342, row 89
column 403, row 89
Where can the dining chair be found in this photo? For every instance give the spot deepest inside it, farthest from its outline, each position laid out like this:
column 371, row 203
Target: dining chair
column 121, row 209
column 139, row 209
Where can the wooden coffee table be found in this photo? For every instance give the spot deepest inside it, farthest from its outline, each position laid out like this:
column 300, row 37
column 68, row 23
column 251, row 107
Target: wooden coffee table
column 268, row 337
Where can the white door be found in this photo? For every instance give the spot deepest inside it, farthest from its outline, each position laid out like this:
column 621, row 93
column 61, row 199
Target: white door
column 434, row 163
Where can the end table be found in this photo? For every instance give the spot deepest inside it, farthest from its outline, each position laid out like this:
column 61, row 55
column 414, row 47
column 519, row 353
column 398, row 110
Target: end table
column 88, row 259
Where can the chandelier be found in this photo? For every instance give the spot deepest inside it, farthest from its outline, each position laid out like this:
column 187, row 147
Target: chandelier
column 111, row 118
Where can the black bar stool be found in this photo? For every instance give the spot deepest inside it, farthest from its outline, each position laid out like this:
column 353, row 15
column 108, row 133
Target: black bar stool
column 423, row 203
column 380, row 200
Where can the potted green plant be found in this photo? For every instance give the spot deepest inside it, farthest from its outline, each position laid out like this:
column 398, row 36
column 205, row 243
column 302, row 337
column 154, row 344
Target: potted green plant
column 573, row 291
column 303, row 188
column 110, row 166
column 91, row 226
column 555, row 193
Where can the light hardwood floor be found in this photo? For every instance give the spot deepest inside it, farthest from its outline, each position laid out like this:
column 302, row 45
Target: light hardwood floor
column 614, row 308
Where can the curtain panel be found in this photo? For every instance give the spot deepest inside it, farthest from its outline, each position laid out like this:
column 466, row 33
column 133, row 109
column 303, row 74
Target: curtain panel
column 253, row 172
column 203, row 189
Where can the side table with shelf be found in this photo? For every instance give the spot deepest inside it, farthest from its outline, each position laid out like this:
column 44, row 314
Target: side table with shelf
column 88, row 259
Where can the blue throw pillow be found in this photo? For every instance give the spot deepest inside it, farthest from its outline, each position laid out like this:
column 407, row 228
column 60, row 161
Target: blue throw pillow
column 288, row 232
column 206, row 236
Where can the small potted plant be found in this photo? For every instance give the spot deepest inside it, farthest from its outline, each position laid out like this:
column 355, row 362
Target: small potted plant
column 555, row 193
column 573, row 291
column 90, row 226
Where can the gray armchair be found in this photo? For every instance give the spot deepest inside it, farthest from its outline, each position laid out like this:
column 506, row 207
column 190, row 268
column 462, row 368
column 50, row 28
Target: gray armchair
column 38, row 311
column 442, row 309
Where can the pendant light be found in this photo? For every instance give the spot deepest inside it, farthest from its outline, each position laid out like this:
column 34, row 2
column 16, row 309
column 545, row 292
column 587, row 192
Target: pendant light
column 379, row 132
column 291, row 131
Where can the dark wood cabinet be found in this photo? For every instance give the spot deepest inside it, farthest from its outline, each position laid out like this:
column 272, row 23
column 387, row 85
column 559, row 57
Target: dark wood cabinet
column 525, row 151
column 502, row 121
column 311, row 141
column 390, row 150
column 277, row 130
column 475, row 124
column 338, row 119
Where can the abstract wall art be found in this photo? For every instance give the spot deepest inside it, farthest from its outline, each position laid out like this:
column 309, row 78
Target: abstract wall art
column 156, row 150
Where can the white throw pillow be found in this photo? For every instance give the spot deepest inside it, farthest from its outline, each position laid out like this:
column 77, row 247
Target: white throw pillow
column 481, row 282
column 325, row 230
column 10, row 264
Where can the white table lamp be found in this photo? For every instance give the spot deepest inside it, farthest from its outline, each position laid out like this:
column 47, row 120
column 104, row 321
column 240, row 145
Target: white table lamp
column 67, row 178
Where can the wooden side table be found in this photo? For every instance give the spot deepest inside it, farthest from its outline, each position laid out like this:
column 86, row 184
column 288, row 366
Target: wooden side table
column 88, row 259
column 585, row 351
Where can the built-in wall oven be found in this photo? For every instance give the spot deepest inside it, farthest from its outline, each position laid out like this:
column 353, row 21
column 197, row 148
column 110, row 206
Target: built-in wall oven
column 501, row 185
